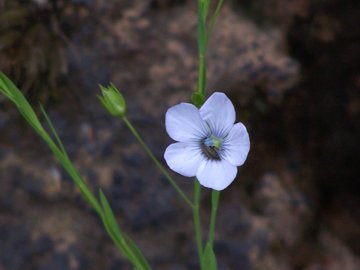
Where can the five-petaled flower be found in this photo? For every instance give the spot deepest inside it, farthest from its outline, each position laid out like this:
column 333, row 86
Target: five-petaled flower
column 210, row 146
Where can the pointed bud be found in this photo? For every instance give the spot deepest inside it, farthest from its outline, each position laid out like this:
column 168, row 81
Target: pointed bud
column 112, row 100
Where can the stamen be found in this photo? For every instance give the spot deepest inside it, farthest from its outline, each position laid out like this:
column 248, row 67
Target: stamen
column 210, row 147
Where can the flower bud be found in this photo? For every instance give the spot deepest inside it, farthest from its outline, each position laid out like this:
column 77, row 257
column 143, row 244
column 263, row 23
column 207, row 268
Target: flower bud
column 112, row 100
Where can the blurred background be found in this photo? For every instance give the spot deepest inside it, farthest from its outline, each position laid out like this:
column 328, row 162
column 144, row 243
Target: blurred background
column 292, row 69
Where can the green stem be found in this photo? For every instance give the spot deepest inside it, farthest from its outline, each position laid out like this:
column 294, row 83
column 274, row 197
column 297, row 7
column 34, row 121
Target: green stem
column 215, row 197
column 156, row 161
column 203, row 6
column 197, row 222
column 202, row 75
column 71, row 170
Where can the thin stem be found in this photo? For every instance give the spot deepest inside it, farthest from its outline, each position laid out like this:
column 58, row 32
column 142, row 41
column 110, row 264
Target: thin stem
column 196, row 214
column 69, row 167
column 203, row 6
column 156, row 161
column 215, row 197
column 202, row 75
column 120, row 243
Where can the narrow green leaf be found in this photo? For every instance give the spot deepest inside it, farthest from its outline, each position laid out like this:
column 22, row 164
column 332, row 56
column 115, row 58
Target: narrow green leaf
column 213, row 19
column 53, row 130
column 209, row 259
column 118, row 242
column 137, row 252
column 128, row 246
column 206, row 7
column 15, row 95
column 4, row 89
column 109, row 215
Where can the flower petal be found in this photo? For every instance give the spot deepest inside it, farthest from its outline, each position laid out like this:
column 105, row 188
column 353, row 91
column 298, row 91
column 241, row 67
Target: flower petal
column 236, row 145
column 183, row 123
column 219, row 113
column 216, row 174
column 183, row 158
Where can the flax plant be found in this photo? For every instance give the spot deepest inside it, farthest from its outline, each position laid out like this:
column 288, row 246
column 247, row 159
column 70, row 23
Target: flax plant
column 219, row 144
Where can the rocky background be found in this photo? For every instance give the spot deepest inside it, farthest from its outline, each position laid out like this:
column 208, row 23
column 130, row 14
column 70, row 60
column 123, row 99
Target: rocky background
column 292, row 68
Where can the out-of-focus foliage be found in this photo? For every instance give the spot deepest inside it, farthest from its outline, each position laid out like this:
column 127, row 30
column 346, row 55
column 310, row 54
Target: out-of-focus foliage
column 33, row 45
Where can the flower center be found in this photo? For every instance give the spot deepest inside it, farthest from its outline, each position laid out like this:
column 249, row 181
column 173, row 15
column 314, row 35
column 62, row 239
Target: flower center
column 211, row 146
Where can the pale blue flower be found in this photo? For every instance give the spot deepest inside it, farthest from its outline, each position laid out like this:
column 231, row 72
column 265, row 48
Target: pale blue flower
column 210, row 146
